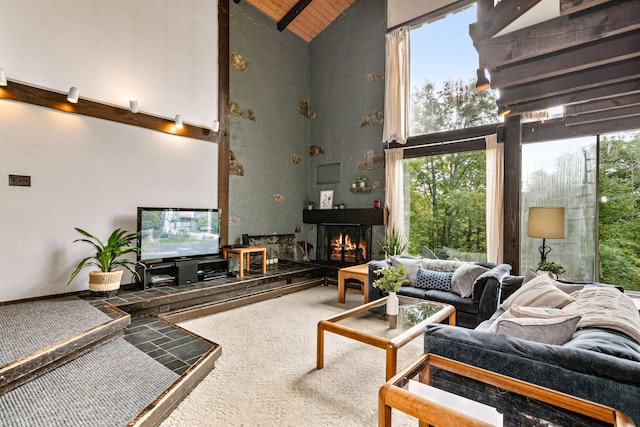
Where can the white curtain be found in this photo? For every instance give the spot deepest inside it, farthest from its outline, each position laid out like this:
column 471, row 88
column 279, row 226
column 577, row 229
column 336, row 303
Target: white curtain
column 495, row 192
column 396, row 90
column 394, row 190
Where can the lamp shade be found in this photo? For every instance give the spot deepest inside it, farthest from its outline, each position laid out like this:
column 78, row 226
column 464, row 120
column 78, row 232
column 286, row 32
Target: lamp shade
column 546, row 222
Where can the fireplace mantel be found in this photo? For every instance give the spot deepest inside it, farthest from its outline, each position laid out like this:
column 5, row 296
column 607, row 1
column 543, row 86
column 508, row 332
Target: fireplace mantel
column 364, row 216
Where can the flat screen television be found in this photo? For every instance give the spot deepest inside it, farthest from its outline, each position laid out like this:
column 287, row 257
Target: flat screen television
column 177, row 233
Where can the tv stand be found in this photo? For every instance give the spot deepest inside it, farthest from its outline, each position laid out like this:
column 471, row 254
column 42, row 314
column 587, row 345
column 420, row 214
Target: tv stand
column 180, row 272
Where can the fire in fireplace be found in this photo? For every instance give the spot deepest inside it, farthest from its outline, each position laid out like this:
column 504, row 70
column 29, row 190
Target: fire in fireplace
column 344, row 244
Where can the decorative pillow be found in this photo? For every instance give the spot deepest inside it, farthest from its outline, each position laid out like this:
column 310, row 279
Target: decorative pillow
column 434, row 280
column 569, row 287
column 540, row 292
column 544, row 326
column 445, row 265
column 463, row 278
column 410, row 264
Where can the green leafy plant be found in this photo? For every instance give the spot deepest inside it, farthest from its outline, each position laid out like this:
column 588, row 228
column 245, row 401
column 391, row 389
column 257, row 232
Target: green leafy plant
column 551, row 267
column 361, row 179
column 392, row 278
column 108, row 256
column 392, row 242
column 310, row 203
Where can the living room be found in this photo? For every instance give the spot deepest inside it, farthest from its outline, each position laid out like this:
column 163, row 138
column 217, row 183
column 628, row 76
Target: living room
column 292, row 106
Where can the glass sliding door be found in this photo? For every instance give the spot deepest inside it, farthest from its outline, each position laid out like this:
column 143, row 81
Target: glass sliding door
column 562, row 173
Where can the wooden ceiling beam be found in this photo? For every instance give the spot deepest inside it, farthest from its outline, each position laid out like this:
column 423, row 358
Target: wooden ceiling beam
column 292, row 14
column 600, row 52
column 568, row 7
column 601, row 116
column 591, row 78
column 555, row 129
column 599, row 105
column 559, row 33
column 578, row 96
column 503, row 14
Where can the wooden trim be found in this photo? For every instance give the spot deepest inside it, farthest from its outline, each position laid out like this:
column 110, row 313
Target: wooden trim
column 512, row 192
column 223, row 114
column 22, row 92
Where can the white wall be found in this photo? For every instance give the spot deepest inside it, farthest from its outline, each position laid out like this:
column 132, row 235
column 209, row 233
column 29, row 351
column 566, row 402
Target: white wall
column 401, row 11
column 162, row 52
column 92, row 173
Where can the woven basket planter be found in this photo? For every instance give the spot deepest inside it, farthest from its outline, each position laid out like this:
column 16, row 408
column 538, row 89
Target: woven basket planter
column 104, row 284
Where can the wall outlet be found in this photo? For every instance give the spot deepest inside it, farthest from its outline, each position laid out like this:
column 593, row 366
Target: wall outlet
column 20, row 180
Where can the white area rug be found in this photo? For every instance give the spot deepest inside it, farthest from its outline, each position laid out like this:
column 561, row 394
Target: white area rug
column 267, row 373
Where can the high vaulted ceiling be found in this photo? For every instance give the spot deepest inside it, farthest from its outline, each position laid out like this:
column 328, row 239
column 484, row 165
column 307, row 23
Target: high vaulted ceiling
column 305, row 18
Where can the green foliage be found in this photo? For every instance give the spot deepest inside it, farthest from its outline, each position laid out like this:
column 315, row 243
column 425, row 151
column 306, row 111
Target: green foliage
column 619, row 232
column 108, row 256
column 551, row 267
column 392, row 278
column 448, row 202
column 392, row 242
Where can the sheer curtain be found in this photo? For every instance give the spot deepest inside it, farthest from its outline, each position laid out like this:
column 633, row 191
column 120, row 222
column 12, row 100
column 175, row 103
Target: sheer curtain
column 394, row 190
column 397, row 86
column 495, row 192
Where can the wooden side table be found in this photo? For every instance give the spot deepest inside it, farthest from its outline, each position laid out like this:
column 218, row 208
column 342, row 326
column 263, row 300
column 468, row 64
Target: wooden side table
column 245, row 253
column 357, row 272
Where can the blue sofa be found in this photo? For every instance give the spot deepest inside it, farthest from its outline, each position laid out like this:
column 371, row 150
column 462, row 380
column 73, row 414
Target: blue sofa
column 470, row 310
column 596, row 363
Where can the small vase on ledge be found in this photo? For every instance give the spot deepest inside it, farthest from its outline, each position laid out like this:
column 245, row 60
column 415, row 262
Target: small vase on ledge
column 392, row 309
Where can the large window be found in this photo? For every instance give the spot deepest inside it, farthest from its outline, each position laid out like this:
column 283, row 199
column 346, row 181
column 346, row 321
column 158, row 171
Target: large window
column 445, row 194
column 448, row 205
column 598, row 182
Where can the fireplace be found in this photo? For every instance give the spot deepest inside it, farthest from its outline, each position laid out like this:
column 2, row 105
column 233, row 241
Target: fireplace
column 344, row 243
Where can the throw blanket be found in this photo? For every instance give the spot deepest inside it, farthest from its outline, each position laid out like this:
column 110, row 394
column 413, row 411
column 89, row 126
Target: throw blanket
column 604, row 307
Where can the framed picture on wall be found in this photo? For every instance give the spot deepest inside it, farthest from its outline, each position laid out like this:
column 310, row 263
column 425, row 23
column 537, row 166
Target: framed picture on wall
column 326, row 199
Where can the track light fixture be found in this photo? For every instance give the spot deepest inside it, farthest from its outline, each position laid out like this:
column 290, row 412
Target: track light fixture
column 178, row 121
column 3, row 78
column 503, row 110
column 74, row 93
column 133, row 105
column 482, row 82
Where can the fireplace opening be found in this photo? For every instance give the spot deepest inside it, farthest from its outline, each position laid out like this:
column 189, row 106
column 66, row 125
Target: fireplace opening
column 344, row 244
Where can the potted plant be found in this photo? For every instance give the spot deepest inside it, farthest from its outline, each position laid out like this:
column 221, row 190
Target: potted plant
column 362, row 181
column 392, row 242
column 392, row 279
column 310, row 204
column 551, row 267
column 105, row 282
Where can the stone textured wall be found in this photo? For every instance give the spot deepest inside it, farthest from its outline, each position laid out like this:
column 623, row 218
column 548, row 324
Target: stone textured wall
column 347, row 95
column 296, row 106
column 269, row 77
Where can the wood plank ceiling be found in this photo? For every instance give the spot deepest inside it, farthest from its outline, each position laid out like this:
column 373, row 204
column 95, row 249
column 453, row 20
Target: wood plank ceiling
column 305, row 18
column 587, row 59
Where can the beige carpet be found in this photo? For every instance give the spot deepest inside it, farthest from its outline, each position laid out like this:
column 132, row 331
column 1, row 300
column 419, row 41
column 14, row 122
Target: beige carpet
column 267, row 373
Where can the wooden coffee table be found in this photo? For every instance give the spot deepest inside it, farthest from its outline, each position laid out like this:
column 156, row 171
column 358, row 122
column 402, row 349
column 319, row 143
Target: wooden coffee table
column 435, row 313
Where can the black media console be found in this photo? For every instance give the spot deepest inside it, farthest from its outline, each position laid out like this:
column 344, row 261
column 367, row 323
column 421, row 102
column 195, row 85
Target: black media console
column 181, row 272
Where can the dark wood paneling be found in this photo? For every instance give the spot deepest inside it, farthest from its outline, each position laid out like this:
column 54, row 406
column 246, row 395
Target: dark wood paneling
column 557, row 34
column 603, row 104
column 556, row 129
column 223, row 118
column 598, row 53
column 365, row 216
column 512, row 189
column 602, row 116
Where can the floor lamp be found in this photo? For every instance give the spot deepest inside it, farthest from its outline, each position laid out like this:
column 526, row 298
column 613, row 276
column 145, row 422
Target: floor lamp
column 546, row 222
